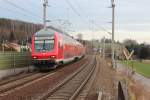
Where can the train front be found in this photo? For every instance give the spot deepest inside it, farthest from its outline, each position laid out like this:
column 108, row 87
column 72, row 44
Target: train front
column 44, row 51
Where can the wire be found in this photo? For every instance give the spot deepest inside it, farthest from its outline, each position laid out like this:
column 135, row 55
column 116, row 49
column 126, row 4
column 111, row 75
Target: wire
column 73, row 8
column 104, row 29
column 75, row 11
column 31, row 3
column 22, row 9
column 81, row 9
column 10, row 10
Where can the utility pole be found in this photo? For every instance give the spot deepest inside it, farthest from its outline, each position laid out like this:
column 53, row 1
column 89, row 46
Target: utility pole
column 3, row 46
column 113, row 31
column 104, row 47
column 27, row 47
column 45, row 4
column 13, row 26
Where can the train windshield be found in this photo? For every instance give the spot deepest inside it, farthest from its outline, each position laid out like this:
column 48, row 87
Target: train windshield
column 44, row 45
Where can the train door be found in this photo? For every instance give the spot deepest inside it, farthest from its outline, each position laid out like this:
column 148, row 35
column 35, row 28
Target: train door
column 60, row 48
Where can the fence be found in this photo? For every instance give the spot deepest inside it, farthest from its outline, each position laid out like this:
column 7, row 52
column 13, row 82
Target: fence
column 9, row 60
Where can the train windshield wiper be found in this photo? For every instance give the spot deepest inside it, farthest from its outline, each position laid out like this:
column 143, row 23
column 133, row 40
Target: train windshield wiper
column 44, row 46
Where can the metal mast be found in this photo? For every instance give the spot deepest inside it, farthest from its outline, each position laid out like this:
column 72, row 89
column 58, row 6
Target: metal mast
column 113, row 31
column 45, row 4
column 104, row 47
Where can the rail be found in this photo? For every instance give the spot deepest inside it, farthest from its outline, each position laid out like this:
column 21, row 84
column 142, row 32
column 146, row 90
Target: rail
column 71, row 86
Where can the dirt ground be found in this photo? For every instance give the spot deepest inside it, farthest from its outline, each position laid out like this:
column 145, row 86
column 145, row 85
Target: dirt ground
column 107, row 79
column 104, row 82
column 139, row 93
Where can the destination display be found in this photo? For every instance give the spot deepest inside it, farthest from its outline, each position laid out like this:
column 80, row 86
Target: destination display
column 44, row 38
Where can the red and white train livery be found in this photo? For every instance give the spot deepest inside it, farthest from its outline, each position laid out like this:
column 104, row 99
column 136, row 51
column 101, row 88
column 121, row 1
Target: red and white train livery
column 51, row 47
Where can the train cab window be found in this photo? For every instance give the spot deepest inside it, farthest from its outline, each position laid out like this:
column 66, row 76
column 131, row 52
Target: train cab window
column 44, row 45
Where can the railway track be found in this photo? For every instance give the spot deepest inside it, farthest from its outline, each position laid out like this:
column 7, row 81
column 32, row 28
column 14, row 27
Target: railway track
column 15, row 82
column 15, row 78
column 86, row 89
column 12, row 84
column 71, row 86
column 25, row 88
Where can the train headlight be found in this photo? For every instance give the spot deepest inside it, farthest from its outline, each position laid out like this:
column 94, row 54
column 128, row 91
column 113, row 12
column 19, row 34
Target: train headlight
column 52, row 56
column 34, row 57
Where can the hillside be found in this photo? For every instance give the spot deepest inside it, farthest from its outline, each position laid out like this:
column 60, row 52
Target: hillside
column 11, row 30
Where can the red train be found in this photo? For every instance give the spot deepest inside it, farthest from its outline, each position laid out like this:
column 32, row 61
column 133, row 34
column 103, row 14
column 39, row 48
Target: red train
column 51, row 47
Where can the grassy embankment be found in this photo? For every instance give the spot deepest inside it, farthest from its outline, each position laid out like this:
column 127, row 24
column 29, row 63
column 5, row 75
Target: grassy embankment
column 140, row 67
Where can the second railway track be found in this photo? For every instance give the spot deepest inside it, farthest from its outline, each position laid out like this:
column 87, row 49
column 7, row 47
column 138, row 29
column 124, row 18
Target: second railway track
column 71, row 86
column 15, row 78
column 34, row 86
column 19, row 82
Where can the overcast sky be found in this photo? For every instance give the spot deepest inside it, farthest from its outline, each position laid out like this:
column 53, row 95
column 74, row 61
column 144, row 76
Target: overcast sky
column 132, row 16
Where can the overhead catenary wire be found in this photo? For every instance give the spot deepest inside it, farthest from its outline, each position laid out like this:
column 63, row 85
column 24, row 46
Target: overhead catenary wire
column 22, row 9
column 75, row 11
column 31, row 3
column 68, row 2
column 18, row 13
column 104, row 29
column 73, row 8
column 13, row 11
